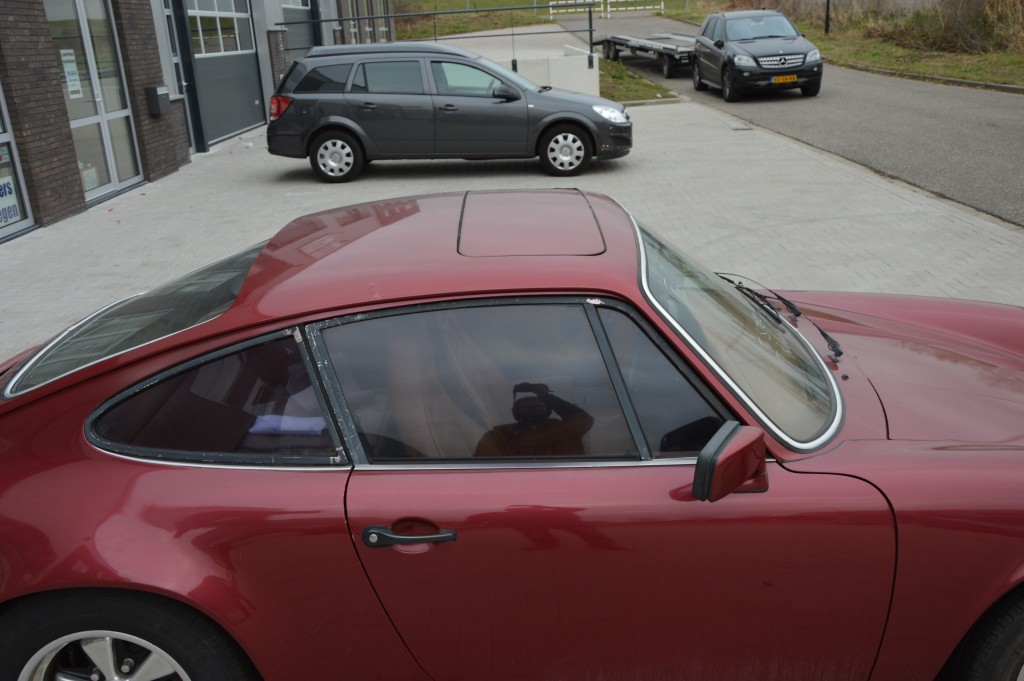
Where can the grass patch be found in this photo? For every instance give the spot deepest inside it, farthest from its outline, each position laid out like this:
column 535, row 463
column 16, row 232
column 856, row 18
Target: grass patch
column 619, row 84
column 864, row 39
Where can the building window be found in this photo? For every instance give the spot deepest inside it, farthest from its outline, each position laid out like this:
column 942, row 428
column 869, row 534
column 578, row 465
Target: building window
column 220, row 26
column 14, row 214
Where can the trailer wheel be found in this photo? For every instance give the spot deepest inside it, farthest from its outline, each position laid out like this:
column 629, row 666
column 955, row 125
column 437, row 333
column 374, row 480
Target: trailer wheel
column 610, row 53
column 667, row 65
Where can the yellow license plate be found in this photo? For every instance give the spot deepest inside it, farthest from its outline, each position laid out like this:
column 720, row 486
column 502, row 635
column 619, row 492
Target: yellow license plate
column 783, row 79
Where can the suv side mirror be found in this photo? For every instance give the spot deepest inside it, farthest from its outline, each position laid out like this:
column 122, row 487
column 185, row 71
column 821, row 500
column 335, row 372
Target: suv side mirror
column 732, row 458
column 506, row 92
column 719, row 43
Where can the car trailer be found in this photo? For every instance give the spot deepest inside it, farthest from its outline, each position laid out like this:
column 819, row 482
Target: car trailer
column 670, row 49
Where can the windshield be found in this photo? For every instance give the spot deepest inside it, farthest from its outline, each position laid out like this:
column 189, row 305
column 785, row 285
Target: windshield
column 751, row 28
column 523, row 83
column 761, row 355
column 193, row 299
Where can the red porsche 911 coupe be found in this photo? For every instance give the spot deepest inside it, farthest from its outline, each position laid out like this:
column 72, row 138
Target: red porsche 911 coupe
column 511, row 436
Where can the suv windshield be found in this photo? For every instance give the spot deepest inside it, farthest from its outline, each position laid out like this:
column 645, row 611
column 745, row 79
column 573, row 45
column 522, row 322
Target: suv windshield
column 193, row 299
column 763, row 358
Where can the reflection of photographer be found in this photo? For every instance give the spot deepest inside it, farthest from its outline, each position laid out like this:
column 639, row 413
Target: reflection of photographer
column 535, row 433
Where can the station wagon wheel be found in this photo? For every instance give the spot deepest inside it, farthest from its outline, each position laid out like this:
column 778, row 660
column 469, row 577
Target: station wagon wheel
column 336, row 156
column 729, row 93
column 565, row 150
column 68, row 637
column 698, row 84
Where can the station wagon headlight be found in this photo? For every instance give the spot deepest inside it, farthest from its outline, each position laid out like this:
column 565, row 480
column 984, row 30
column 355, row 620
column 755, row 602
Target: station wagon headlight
column 611, row 114
column 814, row 55
column 743, row 60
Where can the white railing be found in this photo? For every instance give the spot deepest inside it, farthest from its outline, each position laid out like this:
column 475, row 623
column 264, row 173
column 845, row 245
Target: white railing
column 606, row 7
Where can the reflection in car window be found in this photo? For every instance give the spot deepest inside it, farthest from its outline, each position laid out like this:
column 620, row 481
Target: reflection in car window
column 766, row 358
column 331, row 78
column 462, row 80
column 193, row 299
column 751, row 28
column 389, row 77
column 675, row 418
column 257, row 402
column 521, row 382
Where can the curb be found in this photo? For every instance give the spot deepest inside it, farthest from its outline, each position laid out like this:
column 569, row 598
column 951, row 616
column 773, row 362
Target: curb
column 976, row 84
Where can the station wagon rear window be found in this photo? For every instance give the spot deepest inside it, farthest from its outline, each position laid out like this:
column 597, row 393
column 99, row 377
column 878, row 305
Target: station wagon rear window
column 195, row 298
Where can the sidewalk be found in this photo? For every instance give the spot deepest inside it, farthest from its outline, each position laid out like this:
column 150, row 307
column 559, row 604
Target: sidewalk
column 741, row 199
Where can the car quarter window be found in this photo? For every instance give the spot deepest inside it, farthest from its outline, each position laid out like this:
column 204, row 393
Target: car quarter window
column 718, row 32
column 255, row 405
column 330, row 78
column 520, row 382
column 462, row 80
column 677, row 420
column 389, row 77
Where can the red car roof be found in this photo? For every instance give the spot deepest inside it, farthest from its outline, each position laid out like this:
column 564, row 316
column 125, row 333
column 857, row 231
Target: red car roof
column 440, row 246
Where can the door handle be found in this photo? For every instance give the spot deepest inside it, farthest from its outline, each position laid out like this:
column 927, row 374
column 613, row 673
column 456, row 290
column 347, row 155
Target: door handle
column 376, row 536
column 369, row 106
column 448, row 107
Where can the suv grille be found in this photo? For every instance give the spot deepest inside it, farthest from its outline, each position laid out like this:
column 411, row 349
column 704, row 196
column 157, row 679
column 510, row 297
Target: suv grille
column 783, row 61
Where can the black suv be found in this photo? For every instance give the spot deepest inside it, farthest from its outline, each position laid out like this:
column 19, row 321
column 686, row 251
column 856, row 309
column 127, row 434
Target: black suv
column 343, row 106
column 754, row 50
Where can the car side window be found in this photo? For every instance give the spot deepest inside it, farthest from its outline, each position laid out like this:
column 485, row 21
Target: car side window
column 504, row 382
column 718, row 33
column 254, row 405
column 331, row 78
column 709, row 27
column 389, row 77
column 461, row 80
column 675, row 418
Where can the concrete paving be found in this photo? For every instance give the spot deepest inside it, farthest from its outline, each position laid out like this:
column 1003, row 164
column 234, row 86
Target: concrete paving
column 740, row 198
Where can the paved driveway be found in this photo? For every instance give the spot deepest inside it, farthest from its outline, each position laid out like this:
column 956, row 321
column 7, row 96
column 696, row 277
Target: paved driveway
column 963, row 143
column 741, row 198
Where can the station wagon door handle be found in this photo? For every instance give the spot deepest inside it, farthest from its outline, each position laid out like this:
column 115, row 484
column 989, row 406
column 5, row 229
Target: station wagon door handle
column 376, row 536
column 448, row 107
column 369, row 106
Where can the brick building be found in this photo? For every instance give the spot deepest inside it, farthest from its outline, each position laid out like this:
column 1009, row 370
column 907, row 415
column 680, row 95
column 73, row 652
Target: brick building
column 100, row 96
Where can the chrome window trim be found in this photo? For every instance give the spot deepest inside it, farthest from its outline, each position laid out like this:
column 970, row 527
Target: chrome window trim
column 828, row 432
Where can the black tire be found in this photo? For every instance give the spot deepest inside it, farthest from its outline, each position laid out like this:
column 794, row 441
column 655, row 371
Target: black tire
column 811, row 89
column 668, row 65
column 729, row 92
column 72, row 635
column 565, row 150
column 607, row 49
column 698, row 84
column 995, row 649
column 336, row 156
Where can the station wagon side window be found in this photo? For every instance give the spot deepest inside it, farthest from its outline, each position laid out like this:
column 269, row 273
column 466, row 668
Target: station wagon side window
column 709, row 27
column 254, row 405
column 329, row 78
column 389, row 77
column 455, row 79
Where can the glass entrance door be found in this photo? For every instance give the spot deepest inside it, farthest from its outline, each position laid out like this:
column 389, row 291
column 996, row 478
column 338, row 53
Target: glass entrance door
column 94, row 93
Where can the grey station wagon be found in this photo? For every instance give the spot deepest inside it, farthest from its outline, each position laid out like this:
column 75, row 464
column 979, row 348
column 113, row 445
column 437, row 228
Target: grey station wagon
column 343, row 106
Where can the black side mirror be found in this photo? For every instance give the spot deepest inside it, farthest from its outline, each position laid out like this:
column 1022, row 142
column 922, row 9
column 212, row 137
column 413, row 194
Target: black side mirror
column 732, row 458
column 506, row 92
column 719, row 43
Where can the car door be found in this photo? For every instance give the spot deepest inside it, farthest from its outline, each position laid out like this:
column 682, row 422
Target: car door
column 468, row 119
column 389, row 101
column 708, row 53
column 522, row 503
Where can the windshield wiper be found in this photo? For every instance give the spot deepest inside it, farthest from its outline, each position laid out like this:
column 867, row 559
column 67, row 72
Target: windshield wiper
column 758, row 298
column 833, row 344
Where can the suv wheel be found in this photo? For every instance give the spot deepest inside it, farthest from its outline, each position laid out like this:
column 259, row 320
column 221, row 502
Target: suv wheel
column 698, row 84
column 729, row 92
column 565, row 150
column 336, row 157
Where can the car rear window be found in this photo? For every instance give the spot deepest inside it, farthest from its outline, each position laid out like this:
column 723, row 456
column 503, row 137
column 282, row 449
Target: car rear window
column 330, row 78
column 181, row 304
